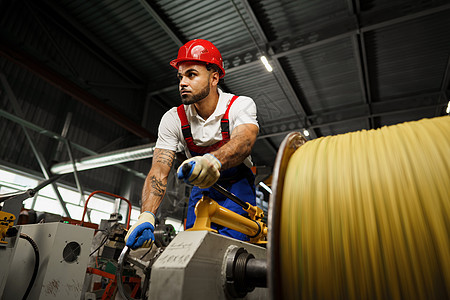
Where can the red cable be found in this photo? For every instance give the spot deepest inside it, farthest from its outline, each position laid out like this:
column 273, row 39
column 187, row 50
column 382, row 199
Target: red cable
column 109, row 194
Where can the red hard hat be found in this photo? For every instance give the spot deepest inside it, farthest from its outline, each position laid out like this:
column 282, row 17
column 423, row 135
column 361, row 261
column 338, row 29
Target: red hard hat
column 199, row 50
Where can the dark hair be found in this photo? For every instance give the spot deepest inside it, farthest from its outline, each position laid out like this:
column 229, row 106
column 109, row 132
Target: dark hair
column 215, row 68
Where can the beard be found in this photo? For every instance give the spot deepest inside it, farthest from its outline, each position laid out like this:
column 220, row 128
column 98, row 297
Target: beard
column 194, row 98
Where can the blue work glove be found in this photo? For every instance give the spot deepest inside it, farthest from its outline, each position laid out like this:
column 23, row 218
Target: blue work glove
column 202, row 171
column 141, row 233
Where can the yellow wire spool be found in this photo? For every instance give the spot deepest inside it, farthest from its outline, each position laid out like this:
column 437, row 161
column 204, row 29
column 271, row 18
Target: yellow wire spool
column 363, row 215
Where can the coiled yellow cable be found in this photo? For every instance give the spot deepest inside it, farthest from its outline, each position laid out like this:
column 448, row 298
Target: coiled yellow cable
column 366, row 215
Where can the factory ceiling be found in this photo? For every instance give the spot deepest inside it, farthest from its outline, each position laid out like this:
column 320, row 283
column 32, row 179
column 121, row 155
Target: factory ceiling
column 98, row 73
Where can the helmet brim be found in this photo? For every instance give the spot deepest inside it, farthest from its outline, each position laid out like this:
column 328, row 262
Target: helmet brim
column 175, row 63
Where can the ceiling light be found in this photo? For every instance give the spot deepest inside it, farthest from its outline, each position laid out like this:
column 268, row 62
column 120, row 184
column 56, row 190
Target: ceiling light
column 448, row 107
column 266, row 63
column 263, row 185
column 305, row 132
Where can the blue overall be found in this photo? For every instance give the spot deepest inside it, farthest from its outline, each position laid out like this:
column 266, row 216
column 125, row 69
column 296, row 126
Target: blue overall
column 238, row 180
column 243, row 187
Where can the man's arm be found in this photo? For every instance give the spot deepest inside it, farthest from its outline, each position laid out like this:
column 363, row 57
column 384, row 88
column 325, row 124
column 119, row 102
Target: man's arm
column 156, row 181
column 239, row 147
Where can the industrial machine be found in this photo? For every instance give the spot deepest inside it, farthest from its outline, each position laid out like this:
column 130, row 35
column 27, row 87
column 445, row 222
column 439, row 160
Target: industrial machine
column 65, row 259
column 104, row 263
column 9, row 235
column 7, row 245
column 224, row 267
column 63, row 256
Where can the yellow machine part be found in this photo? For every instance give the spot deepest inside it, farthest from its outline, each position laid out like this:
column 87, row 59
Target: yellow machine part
column 6, row 221
column 208, row 211
column 366, row 215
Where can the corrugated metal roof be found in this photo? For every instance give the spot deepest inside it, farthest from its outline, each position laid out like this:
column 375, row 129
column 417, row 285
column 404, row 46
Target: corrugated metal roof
column 399, row 56
column 291, row 18
column 130, row 31
column 216, row 21
column 328, row 75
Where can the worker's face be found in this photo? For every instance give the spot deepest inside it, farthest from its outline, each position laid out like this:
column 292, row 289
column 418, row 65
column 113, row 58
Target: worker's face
column 195, row 82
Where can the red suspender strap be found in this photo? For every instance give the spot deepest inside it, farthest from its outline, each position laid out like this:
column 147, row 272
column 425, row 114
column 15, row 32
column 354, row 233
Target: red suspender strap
column 187, row 134
column 225, row 122
column 185, row 127
column 182, row 115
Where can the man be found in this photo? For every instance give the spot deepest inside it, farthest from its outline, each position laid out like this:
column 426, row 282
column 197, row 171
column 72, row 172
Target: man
column 217, row 131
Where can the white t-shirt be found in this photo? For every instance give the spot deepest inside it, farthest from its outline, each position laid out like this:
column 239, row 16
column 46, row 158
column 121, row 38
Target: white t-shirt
column 205, row 132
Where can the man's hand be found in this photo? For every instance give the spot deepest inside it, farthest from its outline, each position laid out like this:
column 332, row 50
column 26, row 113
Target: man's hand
column 141, row 233
column 204, row 170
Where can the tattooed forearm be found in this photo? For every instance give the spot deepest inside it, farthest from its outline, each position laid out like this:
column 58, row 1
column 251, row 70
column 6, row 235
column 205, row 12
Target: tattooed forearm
column 239, row 147
column 164, row 157
column 158, row 186
column 153, row 192
column 156, row 182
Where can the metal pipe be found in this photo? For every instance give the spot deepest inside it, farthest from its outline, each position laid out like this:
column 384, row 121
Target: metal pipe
column 105, row 159
column 230, row 219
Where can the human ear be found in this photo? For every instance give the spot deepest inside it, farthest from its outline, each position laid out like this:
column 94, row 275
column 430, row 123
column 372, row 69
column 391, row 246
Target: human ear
column 215, row 78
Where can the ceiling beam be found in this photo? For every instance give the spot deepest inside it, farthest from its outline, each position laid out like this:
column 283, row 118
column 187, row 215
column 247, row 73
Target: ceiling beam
column 446, row 77
column 401, row 19
column 445, row 84
column 361, row 64
column 359, row 48
column 161, row 23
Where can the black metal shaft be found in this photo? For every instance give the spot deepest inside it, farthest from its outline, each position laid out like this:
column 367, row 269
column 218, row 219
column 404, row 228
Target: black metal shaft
column 47, row 182
column 186, row 169
column 231, row 196
column 256, row 272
